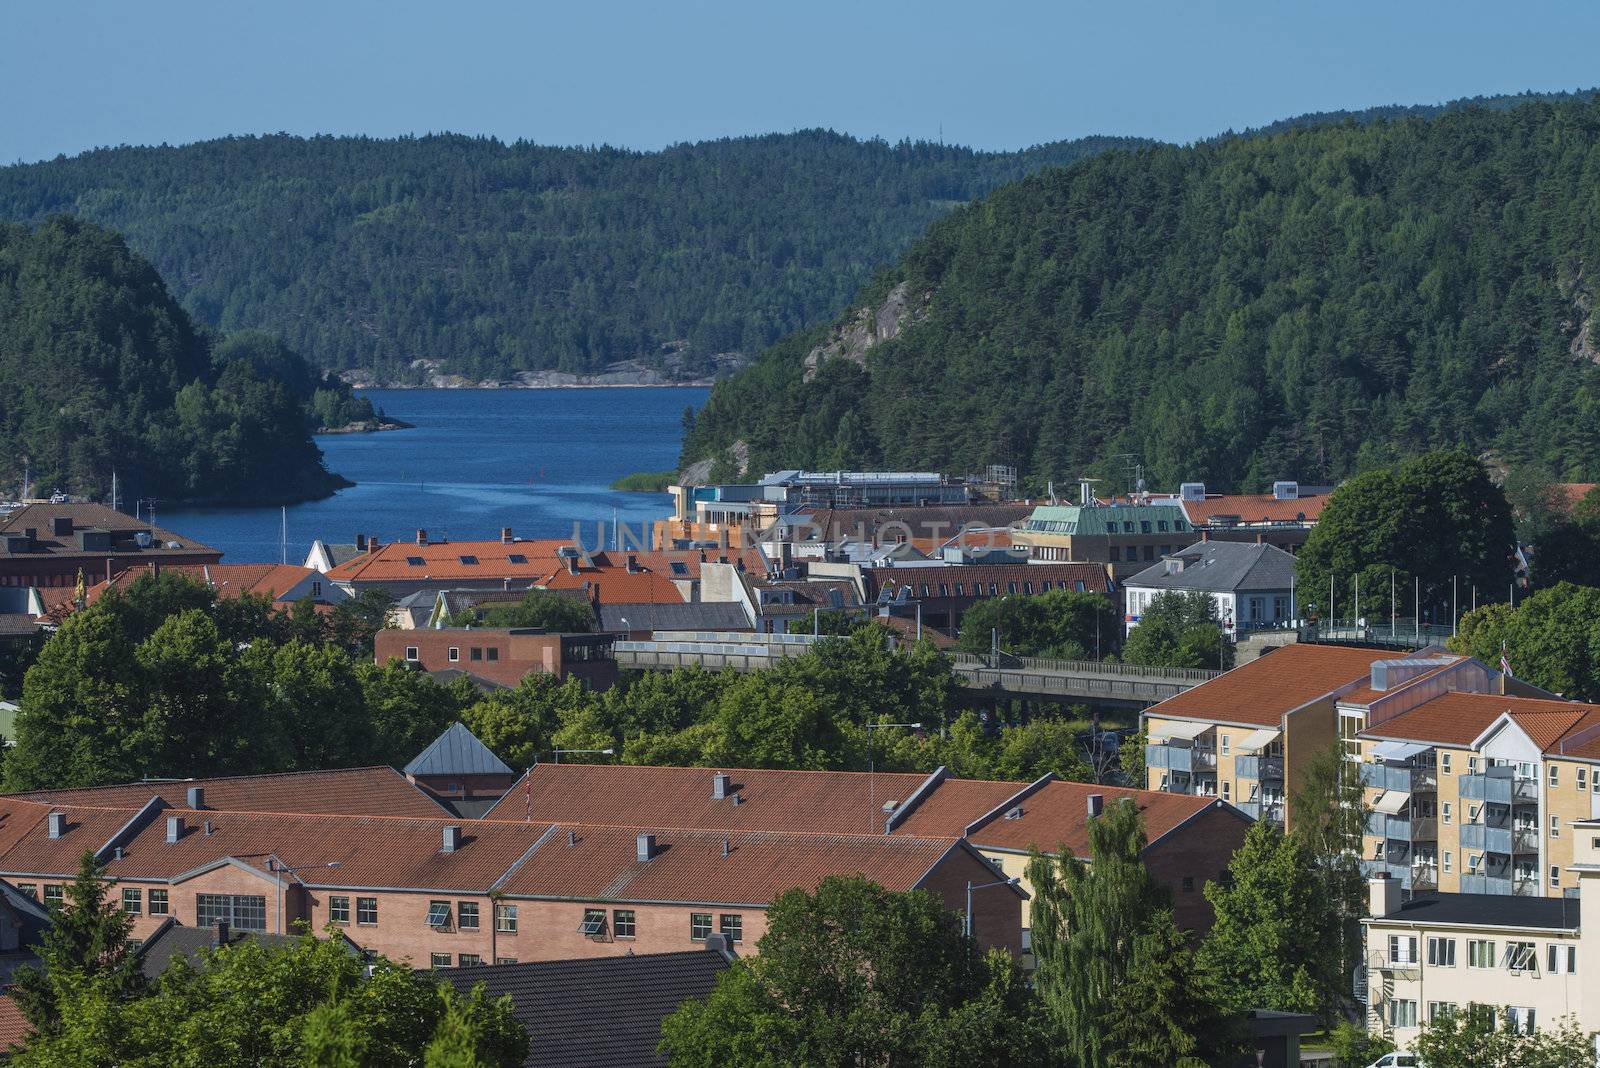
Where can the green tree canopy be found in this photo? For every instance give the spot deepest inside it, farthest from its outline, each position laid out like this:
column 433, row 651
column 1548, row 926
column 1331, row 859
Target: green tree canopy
column 538, row 608
column 855, row 974
column 1551, row 639
column 1178, row 630
column 1061, row 623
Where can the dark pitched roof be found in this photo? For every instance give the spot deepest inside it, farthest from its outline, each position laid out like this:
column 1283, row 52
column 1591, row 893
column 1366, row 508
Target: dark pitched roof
column 94, row 517
column 1489, row 910
column 1221, row 566
column 457, row 752
column 171, row 941
column 695, row 615
column 604, row 1010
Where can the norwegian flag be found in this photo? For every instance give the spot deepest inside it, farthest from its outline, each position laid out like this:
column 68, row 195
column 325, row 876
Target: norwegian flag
column 1505, row 665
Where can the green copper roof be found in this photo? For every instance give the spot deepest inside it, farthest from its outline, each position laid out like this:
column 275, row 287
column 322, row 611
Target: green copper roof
column 1100, row 521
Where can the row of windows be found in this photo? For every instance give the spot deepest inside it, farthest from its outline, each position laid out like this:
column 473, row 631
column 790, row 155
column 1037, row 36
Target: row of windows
column 1520, row 956
column 1518, row 1019
column 1045, row 586
column 366, row 910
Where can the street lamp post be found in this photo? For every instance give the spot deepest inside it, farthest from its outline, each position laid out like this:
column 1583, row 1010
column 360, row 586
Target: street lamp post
column 282, row 869
column 872, row 797
column 966, row 928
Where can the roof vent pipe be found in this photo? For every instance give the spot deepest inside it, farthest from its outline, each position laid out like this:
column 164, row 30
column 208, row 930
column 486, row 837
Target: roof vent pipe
column 572, row 839
column 58, row 824
column 725, row 850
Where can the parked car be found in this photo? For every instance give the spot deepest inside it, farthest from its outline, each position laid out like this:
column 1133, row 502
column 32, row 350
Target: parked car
column 1397, row 1060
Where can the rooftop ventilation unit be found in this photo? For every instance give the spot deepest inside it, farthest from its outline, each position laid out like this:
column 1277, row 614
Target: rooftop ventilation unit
column 1192, row 491
column 1014, row 813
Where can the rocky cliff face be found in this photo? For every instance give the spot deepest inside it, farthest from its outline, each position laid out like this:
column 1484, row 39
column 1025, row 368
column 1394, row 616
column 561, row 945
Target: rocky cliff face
column 866, row 328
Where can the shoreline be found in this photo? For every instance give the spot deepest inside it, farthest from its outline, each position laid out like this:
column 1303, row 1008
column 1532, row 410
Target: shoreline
column 487, row 387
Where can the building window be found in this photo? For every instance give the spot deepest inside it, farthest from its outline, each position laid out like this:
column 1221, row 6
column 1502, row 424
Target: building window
column 411, row 653
column 1472, row 765
column 1402, row 1013
column 505, row 919
column 1449, row 860
column 1555, row 875
column 338, row 909
column 1027, row 587
column 132, row 902
column 733, row 927
column 1444, row 763
column 1519, row 1019
column 29, row 890
column 241, row 912
column 1555, row 826
column 960, row 590
column 1446, row 812
column 1583, row 778
column 366, row 912
column 624, row 923
column 1472, row 813
column 439, row 960
column 476, row 653
column 1441, row 952
column 467, row 915
column 455, row 654
column 158, row 902
column 1555, row 775
column 1224, row 745
column 994, row 589
column 493, row 653
column 1116, row 554
column 944, row 589
column 699, row 925
column 53, row 896
column 1227, row 789
column 1149, row 552
column 1480, row 953
column 1402, row 949
column 1562, row 959
column 505, row 960
column 439, row 914
column 1440, row 1009
column 594, row 923
column 468, row 960
column 316, row 589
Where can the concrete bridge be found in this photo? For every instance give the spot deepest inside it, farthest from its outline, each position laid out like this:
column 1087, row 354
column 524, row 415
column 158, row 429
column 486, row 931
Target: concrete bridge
column 1031, row 677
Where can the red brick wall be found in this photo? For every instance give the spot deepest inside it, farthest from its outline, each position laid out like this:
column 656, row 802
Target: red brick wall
column 996, row 912
column 519, row 654
column 1199, row 850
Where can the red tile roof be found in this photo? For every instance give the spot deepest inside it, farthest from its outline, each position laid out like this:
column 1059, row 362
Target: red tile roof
column 955, row 805
column 1568, row 494
column 228, row 580
column 1458, row 719
column 689, row 866
column 1254, row 508
column 369, row 791
column 442, row 560
column 626, row 795
column 14, row 1027
column 1264, row 690
column 1057, row 815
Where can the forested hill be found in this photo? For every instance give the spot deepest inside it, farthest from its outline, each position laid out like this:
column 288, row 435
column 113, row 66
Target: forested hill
column 497, row 258
column 101, row 370
column 1285, row 307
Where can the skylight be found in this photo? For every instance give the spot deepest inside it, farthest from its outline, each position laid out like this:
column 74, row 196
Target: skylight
column 468, row 559
column 416, row 561
column 517, row 558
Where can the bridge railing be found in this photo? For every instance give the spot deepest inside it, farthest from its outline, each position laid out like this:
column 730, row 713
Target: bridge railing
column 1083, row 667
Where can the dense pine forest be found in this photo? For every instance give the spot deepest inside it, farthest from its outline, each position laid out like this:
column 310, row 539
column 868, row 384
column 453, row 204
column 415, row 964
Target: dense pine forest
column 101, row 370
column 496, row 258
column 1300, row 305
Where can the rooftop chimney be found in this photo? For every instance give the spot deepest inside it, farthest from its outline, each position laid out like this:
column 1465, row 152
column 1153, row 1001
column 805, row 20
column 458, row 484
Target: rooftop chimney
column 719, row 786
column 372, row 543
column 633, row 564
column 1097, row 804
column 197, row 797
column 219, row 934
column 725, row 849
column 452, row 838
column 361, row 543
column 61, row 525
column 174, row 828
column 1383, row 895
column 505, row 535
column 646, row 847
column 572, row 839
column 422, row 536
column 572, row 565
column 58, row 824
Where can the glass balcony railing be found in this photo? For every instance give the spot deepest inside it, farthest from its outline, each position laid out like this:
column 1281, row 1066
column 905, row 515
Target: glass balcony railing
column 1397, row 777
column 1170, row 757
column 1271, row 811
column 1486, row 838
column 1485, row 884
column 1258, row 767
column 1424, row 877
column 1498, row 786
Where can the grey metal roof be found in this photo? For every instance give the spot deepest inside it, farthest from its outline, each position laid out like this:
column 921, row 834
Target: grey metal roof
column 689, row 615
column 1220, row 567
column 601, row 1010
column 1489, row 910
column 457, row 752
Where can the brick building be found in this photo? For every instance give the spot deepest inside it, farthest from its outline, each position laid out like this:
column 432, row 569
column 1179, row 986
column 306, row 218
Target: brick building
column 945, row 592
column 50, row 544
column 502, row 655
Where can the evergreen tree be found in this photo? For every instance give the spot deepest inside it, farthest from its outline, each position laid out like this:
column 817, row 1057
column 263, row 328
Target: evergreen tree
column 1167, row 1011
column 84, row 948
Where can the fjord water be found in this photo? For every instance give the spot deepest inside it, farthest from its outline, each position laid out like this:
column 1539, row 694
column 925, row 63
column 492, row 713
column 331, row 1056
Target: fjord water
column 534, row 460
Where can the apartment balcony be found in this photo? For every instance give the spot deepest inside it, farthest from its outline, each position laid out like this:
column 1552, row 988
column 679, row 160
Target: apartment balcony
column 1270, row 811
column 1424, row 877
column 1525, row 840
column 1487, row 839
column 1204, row 760
column 1179, row 758
column 1499, row 786
column 1486, row 884
column 1424, row 829
column 1399, row 870
column 1409, row 780
column 1526, row 886
column 1268, row 768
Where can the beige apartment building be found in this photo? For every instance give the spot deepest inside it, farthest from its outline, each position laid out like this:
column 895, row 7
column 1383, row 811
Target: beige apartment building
column 1531, row 960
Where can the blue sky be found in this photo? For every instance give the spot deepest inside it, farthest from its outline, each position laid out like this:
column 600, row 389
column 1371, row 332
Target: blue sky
column 77, row 74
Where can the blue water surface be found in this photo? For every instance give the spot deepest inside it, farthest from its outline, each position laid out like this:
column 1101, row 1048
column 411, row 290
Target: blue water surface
column 534, row 460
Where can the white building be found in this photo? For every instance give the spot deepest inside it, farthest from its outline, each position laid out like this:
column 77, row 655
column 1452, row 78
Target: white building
column 1252, row 585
